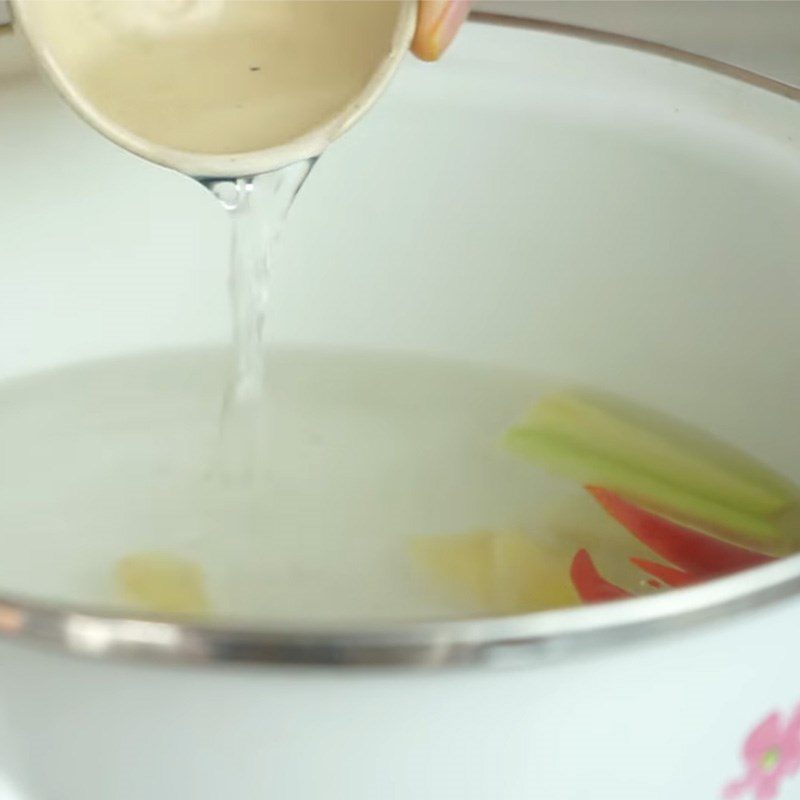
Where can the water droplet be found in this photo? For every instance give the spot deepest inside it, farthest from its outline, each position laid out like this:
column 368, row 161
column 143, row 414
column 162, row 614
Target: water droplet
column 231, row 193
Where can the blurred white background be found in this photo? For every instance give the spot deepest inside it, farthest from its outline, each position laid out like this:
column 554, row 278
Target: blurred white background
column 760, row 35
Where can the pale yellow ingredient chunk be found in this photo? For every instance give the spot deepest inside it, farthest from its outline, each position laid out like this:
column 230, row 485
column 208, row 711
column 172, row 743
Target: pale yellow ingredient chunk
column 501, row 573
column 162, row 582
column 461, row 563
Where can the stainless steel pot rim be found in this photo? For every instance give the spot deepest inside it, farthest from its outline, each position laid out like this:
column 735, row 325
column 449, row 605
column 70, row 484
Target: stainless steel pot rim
column 503, row 641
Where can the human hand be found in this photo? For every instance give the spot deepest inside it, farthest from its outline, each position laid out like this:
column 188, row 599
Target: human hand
column 438, row 22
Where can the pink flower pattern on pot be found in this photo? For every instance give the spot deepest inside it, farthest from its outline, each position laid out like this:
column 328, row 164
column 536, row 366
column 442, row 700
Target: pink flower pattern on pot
column 771, row 754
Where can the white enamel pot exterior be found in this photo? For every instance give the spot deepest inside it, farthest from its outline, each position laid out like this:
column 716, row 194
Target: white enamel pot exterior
column 593, row 213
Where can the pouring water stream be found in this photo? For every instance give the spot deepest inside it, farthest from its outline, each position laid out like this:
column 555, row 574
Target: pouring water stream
column 257, row 208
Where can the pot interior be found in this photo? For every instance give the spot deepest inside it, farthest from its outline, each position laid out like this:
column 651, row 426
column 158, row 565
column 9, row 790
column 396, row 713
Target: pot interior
column 534, row 205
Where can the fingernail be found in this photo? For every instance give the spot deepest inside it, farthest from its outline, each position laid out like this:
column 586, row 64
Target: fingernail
column 450, row 22
column 438, row 24
column 431, row 11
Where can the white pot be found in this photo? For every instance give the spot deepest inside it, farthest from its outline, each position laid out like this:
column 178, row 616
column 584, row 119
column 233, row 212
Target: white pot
column 594, row 213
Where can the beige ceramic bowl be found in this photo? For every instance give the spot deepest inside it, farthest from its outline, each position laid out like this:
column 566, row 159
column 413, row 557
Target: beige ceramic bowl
column 287, row 78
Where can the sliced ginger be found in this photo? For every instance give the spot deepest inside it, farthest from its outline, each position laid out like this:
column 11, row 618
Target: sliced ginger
column 501, row 573
column 461, row 563
column 162, row 582
column 528, row 576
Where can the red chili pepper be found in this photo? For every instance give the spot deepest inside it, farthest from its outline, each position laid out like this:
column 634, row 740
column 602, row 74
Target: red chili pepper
column 668, row 575
column 589, row 583
column 700, row 555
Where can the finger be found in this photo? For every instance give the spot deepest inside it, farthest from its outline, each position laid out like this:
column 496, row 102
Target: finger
column 437, row 25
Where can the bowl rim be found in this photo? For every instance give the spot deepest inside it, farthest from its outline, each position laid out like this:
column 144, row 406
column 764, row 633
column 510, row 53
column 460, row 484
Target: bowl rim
column 485, row 641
